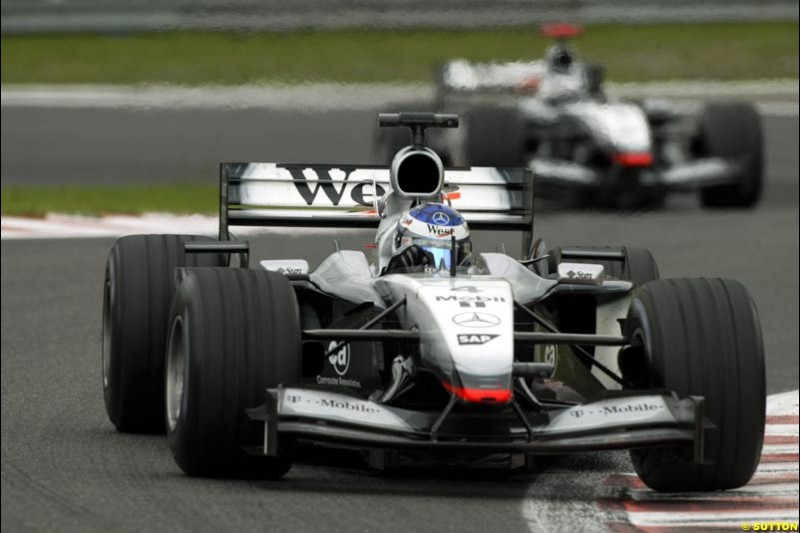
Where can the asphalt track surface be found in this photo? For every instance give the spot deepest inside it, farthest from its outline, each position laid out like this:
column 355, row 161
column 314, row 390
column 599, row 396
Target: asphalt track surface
column 64, row 468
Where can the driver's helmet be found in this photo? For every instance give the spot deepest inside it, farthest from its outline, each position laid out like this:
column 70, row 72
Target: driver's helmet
column 560, row 60
column 424, row 238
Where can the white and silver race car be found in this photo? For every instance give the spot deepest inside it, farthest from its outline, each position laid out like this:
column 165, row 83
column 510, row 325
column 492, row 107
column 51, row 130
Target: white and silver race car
column 482, row 358
column 553, row 116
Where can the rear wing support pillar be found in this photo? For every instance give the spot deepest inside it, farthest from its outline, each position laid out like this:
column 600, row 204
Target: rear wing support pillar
column 242, row 249
column 224, row 235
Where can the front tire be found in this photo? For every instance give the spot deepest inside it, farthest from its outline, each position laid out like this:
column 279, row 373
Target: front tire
column 702, row 337
column 137, row 292
column 732, row 131
column 234, row 334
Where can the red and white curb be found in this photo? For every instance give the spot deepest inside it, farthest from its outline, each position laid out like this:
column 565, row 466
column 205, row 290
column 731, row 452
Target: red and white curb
column 67, row 226
column 55, row 226
column 771, row 496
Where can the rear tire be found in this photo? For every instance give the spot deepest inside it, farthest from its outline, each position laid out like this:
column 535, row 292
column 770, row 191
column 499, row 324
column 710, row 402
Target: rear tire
column 732, row 131
column 702, row 337
column 494, row 136
column 638, row 266
column 138, row 289
column 234, row 334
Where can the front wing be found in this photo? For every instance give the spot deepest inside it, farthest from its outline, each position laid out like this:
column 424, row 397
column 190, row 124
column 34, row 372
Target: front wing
column 690, row 175
column 636, row 420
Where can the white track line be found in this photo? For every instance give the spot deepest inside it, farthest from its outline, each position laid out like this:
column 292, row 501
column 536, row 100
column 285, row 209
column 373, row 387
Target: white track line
column 56, row 226
column 774, row 97
column 782, row 429
column 305, row 97
column 783, row 404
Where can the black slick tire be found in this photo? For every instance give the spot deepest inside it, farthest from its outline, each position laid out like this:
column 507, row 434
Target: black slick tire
column 138, row 288
column 234, row 333
column 732, row 131
column 702, row 337
column 494, row 136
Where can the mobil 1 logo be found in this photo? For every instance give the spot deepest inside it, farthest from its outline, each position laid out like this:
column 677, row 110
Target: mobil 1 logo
column 474, row 339
column 466, row 297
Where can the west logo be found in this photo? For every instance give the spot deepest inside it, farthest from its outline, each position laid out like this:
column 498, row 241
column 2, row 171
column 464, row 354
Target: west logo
column 361, row 193
column 474, row 339
column 439, row 231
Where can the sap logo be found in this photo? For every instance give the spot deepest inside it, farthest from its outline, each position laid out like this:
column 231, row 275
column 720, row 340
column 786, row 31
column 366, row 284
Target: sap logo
column 439, row 231
column 361, row 193
column 474, row 339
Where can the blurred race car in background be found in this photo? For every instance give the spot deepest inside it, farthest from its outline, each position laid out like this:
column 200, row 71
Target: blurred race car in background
column 554, row 117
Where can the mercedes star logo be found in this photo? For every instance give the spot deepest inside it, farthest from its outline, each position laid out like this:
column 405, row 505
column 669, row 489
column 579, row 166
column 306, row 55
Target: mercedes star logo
column 476, row 320
column 440, row 218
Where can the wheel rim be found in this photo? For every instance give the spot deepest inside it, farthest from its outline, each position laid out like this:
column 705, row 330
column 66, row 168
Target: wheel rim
column 176, row 373
column 641, row 342
column 108, row 333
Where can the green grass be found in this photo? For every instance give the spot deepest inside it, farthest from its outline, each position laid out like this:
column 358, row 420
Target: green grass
column 631, row 53
column 100, row 200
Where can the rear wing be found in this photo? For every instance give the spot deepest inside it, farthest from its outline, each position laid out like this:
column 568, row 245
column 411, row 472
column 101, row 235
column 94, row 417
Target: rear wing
column 346, row 196
column 464, row 76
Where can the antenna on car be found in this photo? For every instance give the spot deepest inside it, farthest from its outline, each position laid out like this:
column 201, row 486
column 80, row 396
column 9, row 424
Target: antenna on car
column 453, row 255
column 417, row 122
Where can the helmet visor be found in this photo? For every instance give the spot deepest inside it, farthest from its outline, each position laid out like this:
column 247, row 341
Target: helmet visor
column 442, row 254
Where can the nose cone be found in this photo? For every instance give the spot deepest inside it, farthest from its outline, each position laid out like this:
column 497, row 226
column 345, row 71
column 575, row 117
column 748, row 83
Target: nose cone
column 471, row 337
column 500, row 394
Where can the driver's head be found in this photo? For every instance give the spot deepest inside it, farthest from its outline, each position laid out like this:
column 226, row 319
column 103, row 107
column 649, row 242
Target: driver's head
column 560, row 59
column 424, row 239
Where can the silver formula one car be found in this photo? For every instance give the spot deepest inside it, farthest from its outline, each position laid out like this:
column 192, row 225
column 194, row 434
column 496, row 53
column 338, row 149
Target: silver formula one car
column 433, row 352
column 553, row 116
